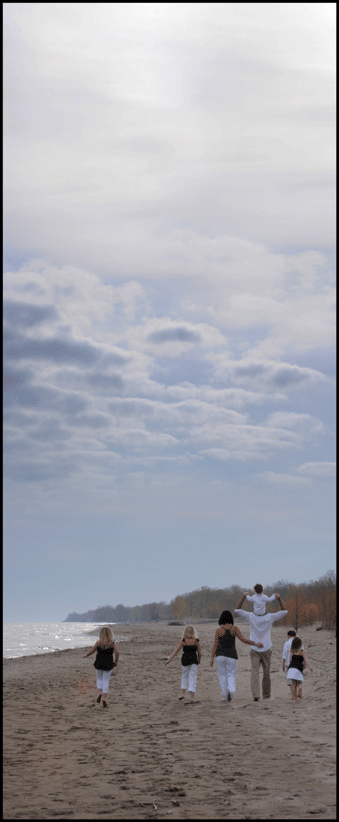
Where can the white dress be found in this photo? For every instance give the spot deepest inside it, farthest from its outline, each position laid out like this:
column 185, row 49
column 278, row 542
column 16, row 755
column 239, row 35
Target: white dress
column 295, row 673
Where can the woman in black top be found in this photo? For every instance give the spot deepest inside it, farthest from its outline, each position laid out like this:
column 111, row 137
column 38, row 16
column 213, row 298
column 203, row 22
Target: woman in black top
column 191, row 656
column 225, row 651
column 104, row 662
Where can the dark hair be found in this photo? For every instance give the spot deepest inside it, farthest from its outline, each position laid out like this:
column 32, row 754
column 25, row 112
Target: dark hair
column 226, row 618
column 296, row 643
column 258, row 588
column 291, row 633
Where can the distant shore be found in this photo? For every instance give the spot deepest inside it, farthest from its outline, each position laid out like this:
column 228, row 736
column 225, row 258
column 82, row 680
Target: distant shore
column 149, row 755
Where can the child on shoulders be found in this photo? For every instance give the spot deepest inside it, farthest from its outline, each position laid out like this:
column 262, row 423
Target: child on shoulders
column 259, row 599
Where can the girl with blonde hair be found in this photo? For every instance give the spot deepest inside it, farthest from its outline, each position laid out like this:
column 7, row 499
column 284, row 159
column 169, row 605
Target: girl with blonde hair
column 104, row 661
column 191, row 657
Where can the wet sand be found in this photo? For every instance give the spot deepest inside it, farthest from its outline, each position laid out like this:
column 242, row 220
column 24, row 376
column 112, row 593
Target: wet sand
column 150, row 756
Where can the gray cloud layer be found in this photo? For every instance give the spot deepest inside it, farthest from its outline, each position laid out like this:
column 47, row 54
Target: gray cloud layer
column 169, row 294
column 126, row 391
column 196, row 124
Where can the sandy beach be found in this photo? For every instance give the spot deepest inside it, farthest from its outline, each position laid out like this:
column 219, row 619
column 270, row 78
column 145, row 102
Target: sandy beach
column 150, row 756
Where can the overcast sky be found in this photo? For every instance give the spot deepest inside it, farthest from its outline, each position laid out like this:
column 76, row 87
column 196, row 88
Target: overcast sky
column 169, row 298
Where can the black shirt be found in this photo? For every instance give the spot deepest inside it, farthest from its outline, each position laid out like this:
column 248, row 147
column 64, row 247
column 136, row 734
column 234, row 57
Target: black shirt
column 226, row 645
column 104, row 659
column 297, row 662
column 189, row 654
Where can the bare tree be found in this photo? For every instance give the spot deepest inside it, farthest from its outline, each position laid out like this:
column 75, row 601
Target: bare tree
column 295, row 611
column 326, row 599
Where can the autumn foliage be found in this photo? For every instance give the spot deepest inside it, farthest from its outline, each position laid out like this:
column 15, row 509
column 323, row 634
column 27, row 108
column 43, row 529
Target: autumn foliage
column 312, row 602
column 306, row 603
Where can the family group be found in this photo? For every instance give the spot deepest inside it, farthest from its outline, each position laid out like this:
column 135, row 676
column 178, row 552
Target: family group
column 224, row 651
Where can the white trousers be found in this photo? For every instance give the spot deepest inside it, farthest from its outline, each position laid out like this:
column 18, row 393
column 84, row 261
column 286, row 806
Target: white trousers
column 103, row 680
column 189, row 677
column 227, row 671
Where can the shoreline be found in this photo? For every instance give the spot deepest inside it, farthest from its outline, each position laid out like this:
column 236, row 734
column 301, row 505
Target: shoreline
column 112, row 625
column 149, row 755
column 179, row 624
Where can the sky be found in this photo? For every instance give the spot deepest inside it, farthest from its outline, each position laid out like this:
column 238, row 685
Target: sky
column 169, row 300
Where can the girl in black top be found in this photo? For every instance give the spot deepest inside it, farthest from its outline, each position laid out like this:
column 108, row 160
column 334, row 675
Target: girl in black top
column 295, row 669
column 191, row 656
column 104, row 662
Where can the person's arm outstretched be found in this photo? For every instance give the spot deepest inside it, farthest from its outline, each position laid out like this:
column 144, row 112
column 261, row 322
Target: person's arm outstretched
column 92, row 650
column 116, row 651
column 306, row 660
column 174, row 653
column 242, row 600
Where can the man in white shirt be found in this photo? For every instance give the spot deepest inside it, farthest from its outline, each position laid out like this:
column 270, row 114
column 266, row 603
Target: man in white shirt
column 286, row 650
column 260, row 631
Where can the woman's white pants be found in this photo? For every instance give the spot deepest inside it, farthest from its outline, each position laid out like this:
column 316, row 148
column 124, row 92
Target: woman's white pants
column 227, row 671
column 189, row 678
column 103, row 680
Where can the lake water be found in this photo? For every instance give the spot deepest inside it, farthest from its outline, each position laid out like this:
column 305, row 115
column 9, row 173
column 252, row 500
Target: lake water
column 31, row 638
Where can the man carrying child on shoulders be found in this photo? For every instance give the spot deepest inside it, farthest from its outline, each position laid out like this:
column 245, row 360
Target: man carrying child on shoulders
column 260, row 631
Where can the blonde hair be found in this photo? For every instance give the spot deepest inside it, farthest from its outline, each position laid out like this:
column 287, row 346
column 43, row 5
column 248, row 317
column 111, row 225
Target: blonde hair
column 189, row 632
column 106, row 637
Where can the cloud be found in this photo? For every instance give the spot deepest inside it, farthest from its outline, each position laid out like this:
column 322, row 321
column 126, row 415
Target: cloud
column 310, row 471
column 285, row 376
column 281, row 479
column 273, row 373
column 123, row 383
column 106, row 382
column 133, row 407
column 169, row 287
column 14, row 378
column 250, row 370
column 178, row 334
column 198, row 125
column 54, row 349
column 318, row 469
column 22, row 314
column 176, row 278
column 40, row 471
column 93, row 421
column 295, row 422
column 20, row 389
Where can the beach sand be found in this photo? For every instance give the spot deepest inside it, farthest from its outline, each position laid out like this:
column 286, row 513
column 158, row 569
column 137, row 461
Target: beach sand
column 150, row 756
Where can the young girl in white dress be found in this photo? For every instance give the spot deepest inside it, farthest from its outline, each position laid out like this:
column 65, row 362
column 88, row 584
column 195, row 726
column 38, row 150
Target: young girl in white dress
column 298, row 660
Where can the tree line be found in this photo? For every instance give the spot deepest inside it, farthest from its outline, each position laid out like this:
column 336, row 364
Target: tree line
column 306, row 603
